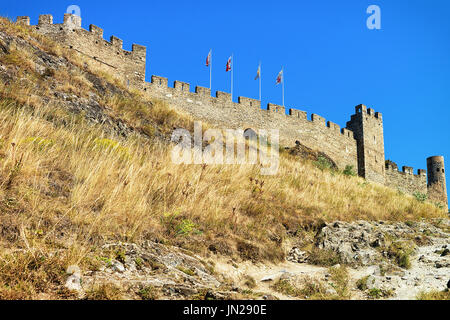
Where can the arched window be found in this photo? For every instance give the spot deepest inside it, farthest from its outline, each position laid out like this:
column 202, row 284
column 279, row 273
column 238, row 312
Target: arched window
column 250, row 134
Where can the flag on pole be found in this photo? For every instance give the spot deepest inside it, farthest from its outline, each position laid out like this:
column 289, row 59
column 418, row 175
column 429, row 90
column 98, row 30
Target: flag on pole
column 208, row 59
column 280, row 77
column 258, row 73
column 229, row 64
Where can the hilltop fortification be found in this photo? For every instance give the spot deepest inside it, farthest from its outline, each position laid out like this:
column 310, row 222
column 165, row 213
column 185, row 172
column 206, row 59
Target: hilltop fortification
column 360, row 144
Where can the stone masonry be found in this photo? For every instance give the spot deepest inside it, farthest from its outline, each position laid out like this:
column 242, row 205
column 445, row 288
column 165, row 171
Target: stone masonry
column 360, row 144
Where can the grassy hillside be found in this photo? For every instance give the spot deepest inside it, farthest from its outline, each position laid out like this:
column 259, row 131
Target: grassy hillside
column 69, row 183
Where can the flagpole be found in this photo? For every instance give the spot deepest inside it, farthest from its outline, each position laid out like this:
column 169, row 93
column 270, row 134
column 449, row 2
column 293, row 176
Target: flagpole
column 210, row 73
column 282, row 80
column 232, row 70
column 260, row 75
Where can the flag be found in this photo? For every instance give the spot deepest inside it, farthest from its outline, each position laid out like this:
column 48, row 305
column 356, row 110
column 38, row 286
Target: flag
column 208, row 59
column 258, row 73
column 280, row 77
column 228, row 64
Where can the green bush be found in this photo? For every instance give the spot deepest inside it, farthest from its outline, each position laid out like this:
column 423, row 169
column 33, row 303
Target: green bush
column 349, row 171
column 421, row 197
column 323, row 163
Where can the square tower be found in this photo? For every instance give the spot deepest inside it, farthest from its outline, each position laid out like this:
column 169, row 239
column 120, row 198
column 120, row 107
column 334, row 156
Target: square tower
column 367, row 126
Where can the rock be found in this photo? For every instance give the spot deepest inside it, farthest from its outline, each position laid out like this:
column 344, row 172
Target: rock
column 269, row 278
column 210, row 295
column 73, row 282
column 185, row 291
column 117, row 266
column 269, row 297
column 298, row 256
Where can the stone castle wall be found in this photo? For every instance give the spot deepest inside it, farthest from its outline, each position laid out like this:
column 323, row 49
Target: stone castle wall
column 406, row 181
column 368, row 128
column 360, row 144
column 340, row 145
column 107, row 55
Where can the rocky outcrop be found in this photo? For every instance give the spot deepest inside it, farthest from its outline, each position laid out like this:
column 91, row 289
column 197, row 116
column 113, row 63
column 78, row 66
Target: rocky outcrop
column 170, row 270
column 392, row 260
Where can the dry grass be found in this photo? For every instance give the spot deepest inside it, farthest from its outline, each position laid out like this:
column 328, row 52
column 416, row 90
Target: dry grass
column 66, row 186
column 434, row 295
column 314, row 289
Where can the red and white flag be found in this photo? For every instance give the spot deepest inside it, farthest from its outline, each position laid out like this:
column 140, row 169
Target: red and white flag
column 229, row 64
column 208, row 59
column 280, row 77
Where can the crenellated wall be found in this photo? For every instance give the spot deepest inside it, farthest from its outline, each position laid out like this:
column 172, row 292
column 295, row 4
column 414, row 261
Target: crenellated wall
column 338, row 144
column 107, row 55
column 405, row 180
column 360, row 144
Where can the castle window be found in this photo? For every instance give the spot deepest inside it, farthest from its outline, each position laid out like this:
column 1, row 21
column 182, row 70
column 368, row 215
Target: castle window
column 443, row 171
column 250, row 134
column 251, row 103
column 437, row 170
column 374, row 140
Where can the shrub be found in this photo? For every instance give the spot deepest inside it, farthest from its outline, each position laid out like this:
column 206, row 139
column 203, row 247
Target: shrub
column 340, row 281
column 285, row 287
column 186, row 227
column 250, row 282
column 421, row 197
column 148, row 293
column 361, row 284
column 349, row 171
column 321, row 257
column 313, row 289
column 376, row 293
column 323, row 163
column 400, row 251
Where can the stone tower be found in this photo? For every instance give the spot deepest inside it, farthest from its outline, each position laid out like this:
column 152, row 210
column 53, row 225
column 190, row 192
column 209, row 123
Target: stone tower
column 437, row 189
column 367, row 126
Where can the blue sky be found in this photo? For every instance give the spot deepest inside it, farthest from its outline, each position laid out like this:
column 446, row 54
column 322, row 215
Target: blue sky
column 332, row 61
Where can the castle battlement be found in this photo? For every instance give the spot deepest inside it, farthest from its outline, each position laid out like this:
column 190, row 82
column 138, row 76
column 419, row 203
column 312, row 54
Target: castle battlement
column 359, row 144
column 181, row 90
column 392, row 166
column 108, row 55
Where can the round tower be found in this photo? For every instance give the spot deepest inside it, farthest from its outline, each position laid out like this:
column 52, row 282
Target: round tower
column 437, row 189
